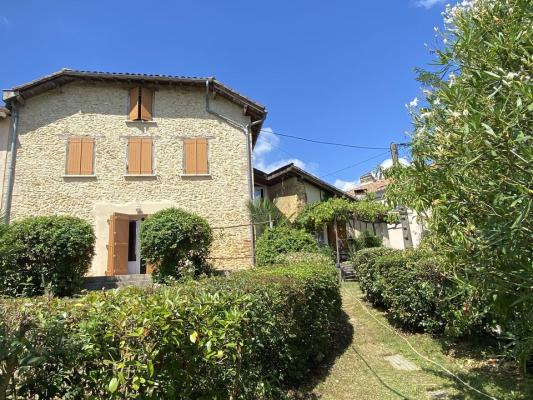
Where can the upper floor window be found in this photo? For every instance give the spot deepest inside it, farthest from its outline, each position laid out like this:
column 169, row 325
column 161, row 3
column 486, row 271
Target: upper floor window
column 141, row 100
column 140, row 156
column 80, row 156
column 195, row 157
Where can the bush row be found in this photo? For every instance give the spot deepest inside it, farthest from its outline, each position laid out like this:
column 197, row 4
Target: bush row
column 237, row 337
column 416, row 293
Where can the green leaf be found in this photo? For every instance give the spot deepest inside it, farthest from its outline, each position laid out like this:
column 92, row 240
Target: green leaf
column 113, row 385
column 193, row 337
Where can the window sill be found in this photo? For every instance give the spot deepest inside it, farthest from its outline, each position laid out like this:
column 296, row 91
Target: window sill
column 128, row 121
column 195, row 175
column 140, row 175
column 79, row 176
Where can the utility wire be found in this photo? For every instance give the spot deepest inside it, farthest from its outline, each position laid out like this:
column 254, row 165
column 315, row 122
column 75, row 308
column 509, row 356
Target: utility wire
column 354, row 165
column 353, row 146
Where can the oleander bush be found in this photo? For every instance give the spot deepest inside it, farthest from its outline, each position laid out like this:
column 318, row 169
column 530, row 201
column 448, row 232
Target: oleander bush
column 176, row 243
column 39, row 254
column 416, row 292
column 280, row 240
column 244, row 337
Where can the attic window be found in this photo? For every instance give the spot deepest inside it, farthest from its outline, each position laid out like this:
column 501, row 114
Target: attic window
column 141, row 100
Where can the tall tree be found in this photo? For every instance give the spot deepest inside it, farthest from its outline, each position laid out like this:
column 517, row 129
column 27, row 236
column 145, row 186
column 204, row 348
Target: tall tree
column 472, row 149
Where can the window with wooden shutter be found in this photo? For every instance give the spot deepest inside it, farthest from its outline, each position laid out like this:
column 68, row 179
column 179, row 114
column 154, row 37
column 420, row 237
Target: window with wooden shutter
column 140, row 107
column 140, row 156
column 80, row 156
column 195, row 157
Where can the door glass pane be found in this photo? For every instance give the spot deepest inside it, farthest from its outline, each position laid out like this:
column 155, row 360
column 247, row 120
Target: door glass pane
column 132, row 241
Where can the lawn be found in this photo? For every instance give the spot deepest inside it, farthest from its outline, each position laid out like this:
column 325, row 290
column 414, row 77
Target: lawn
column 360, row 370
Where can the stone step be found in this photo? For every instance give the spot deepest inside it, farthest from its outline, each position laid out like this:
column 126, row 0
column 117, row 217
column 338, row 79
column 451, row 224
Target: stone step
column 116, row 281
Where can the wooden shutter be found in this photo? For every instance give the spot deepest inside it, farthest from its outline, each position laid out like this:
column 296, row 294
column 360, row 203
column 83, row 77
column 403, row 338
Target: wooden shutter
column 140, row 156
column 80, row 156
column 134, row 155
column 87, row 156
column 190, row 156
column 134, row 113
column 201, row 156
column 117, row 251
column 195, row 157
column 146, row 156
column 74, row 156
column 146, row 104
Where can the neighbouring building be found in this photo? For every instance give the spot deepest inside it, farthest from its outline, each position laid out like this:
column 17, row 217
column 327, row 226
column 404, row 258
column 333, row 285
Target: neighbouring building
column 290, row 188
column 406, row 234
column 113, row 148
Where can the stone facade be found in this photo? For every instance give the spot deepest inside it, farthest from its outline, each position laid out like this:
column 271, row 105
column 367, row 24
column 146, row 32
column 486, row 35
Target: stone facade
column 100, row 111
column 289, row 196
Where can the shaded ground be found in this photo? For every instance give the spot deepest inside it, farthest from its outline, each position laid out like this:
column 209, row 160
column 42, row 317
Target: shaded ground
column 360, row 370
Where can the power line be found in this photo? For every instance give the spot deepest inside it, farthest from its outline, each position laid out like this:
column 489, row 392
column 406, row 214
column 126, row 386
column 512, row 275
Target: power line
column 353, row 146
column 354, row 165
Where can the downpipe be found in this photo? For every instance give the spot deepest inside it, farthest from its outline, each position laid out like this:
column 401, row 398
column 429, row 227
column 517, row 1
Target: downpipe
column 247, row 130
column 8, row 195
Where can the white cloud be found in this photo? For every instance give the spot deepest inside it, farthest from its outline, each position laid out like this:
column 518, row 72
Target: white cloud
column 266, row 147
column 274, row 165
column 345, row 185
column 427, row 4
column 266, row 143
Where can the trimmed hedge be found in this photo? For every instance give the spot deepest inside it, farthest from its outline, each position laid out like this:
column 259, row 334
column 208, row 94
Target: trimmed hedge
column 39, row 254
column 416, row 293
column 280, row 240
column 239, row 337
column 176, row 243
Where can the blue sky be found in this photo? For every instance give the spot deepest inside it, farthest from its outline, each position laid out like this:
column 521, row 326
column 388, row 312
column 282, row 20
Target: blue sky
column 339, row 71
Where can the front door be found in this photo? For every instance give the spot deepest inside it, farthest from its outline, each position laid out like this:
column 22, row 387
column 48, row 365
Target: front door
column 117, row 250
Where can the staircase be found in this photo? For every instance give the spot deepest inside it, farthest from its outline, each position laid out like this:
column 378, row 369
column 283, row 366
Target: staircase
column 117, row 281
column 347, row 272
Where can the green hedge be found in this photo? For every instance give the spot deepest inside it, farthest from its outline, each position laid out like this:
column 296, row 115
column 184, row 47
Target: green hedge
column 416, row 293
column 280, row 240
column 239, row 337
column 39, row 254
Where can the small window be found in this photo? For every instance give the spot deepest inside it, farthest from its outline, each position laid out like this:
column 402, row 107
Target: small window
column 140, row 156
column 195, row 157
column 140, row 104
column 259, row 193
column 80, row 156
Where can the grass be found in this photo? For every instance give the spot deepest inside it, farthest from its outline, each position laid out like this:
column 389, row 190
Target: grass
column 360, row 371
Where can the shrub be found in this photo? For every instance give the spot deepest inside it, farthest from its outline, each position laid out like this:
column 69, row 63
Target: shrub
column 368, row 275
column 365, row 240
column 411, row 285
column 176, row 242
column 41, row 254
column 237, row 337
column 279, row 240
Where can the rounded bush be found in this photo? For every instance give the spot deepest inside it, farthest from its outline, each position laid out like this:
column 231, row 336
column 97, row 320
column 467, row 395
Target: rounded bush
column 280, row 240
column 41, row 254
column 175, row 242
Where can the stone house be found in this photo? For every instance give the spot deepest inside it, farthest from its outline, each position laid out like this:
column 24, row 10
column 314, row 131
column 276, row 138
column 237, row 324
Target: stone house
column 290, row 188
column 113, row 148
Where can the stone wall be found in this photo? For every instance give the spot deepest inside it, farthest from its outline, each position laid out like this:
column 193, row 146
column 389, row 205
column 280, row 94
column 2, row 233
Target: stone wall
column 289, row 196
column 100, row 111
